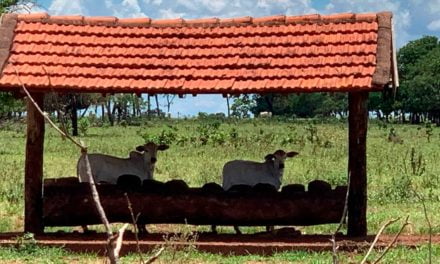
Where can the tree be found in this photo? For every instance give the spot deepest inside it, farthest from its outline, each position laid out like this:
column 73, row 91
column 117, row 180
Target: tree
column 10, row 6
column 419, row 70
column 169, row 101
column 6, row 4
column 241, row 107
column 9, row 106
column 67, row 105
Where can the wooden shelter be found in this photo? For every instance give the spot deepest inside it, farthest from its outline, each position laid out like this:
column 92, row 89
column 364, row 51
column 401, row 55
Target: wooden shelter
column 279, row 54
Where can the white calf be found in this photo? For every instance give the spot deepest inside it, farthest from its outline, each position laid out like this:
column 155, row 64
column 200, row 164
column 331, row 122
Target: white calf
column 265, row 114
column 107, row 169
column 251, row 173
column 244, row 172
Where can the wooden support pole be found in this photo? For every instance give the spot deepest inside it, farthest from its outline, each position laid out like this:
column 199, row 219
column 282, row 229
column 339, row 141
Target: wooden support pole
column 357, row 163
column 33, row 179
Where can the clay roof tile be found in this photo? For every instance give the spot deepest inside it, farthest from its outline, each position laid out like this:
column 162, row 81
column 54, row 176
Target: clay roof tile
column 340, row 52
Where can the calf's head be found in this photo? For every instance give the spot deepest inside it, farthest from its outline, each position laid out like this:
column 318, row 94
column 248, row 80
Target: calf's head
column 149, row 152
column 277, row 160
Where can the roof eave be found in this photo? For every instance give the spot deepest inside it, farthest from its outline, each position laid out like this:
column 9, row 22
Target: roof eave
column 382, row 75
column 7, row 27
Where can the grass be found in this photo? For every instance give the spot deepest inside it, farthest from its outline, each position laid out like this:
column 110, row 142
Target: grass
column 50, row 255
column 199, row 148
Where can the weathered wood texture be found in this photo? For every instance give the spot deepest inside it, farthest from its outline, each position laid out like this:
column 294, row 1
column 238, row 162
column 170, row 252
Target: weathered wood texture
column 7, row 26
column 382, row 75
column 33, row 181
column 71, row 205
column 357, row 164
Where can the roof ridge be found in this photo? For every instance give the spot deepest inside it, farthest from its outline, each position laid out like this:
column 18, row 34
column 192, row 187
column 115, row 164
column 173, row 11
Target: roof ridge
column 180, row 22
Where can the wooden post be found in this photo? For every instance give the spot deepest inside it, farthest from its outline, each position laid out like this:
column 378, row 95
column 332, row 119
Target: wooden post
column 33, row 179
column 357, row 163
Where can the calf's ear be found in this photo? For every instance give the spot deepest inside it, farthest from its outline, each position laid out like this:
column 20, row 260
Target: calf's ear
column 140, row 148
column 291, row 154
column 269, row 157
column 162, row 147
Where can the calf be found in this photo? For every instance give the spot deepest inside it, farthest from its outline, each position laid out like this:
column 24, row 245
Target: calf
column 243, row 172
column 107, row 169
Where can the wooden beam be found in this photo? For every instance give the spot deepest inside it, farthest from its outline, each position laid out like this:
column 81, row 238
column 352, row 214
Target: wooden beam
column 33, row 179
column 357, row 163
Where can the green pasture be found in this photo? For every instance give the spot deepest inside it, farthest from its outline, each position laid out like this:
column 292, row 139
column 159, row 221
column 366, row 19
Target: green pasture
column 200, row 147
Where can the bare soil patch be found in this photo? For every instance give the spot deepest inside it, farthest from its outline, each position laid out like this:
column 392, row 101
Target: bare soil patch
column 261, row 243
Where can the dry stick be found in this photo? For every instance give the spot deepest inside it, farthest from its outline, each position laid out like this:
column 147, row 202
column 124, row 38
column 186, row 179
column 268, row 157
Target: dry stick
column 119, row 239
column 377, row 238
column 111, row 244
column 60, row 113
column 155, row 256
column 429, row 226
column 392, row 242
column 344, row 213
column 134, row 220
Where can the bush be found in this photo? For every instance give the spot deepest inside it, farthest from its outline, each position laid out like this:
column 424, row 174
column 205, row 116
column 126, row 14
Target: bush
column 83, row 125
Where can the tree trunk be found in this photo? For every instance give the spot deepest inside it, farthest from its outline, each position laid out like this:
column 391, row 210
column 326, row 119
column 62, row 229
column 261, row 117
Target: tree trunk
column 135, row 99
column 148, row 106
column 227, row 103
column 102, row 113
column 85, row 111
column 111, row 118
column 269, row 100
column 74, row 118
column 157, row 105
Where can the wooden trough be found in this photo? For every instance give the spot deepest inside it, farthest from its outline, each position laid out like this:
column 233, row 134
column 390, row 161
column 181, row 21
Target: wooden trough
column 67, row 203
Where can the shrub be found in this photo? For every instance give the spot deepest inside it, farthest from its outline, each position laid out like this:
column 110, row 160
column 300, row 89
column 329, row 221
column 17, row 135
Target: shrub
column 83, row 125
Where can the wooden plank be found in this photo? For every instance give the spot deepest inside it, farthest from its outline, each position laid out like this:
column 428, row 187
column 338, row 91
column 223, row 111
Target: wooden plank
column 72, row 205
column 33, row 182
column 357, row 163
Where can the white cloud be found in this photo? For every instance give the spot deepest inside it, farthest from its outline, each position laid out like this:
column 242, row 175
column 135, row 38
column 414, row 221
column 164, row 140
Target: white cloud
column 434, row 6
column 214, row 6
column 434, row 25
column 170, row 13
column 68, row 7
column 132, row 9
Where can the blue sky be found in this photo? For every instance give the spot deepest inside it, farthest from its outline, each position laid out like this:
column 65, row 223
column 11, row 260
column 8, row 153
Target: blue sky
column 412, row 19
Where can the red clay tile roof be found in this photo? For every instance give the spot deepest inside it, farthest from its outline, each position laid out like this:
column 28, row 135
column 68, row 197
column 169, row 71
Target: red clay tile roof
column 312, row 53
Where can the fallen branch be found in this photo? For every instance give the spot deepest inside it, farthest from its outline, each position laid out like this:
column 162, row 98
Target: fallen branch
column 392, row 242
column 117, row 239
column 155, row 256
column 377, row 238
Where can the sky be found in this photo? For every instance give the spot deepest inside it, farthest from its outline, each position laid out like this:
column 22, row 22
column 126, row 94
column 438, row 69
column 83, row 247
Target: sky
column 412, row 20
